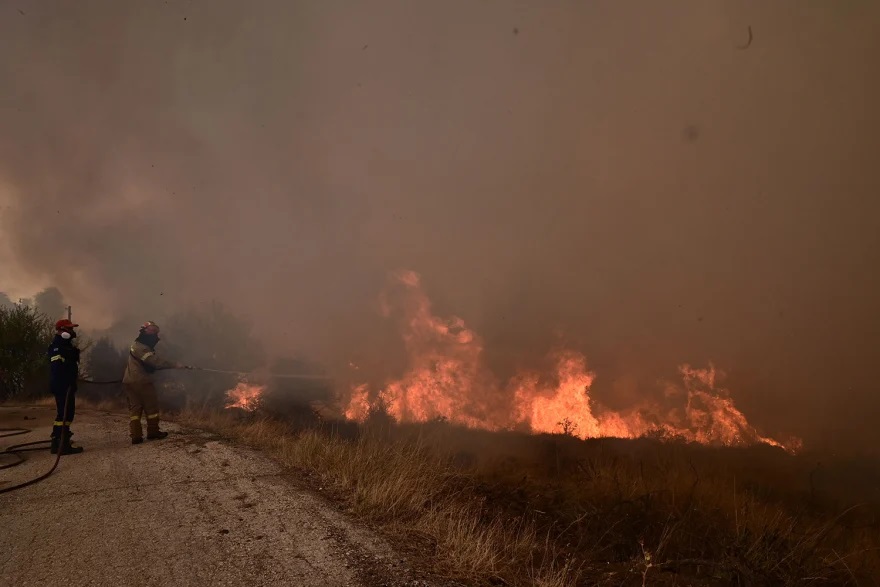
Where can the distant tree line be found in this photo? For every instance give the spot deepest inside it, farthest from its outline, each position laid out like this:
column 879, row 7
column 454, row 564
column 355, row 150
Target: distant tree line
column 49, row 302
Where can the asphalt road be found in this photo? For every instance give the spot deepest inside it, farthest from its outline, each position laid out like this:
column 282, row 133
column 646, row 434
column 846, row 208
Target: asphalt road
column 185, row 511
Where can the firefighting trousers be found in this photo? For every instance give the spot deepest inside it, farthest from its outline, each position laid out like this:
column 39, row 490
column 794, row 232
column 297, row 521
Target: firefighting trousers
column 62, row 419
column 142, row 399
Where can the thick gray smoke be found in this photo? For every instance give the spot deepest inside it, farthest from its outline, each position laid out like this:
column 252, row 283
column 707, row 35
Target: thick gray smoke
column 620, row 177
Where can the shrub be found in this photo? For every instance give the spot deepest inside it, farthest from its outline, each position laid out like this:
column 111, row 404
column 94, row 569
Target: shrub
column 25, row 334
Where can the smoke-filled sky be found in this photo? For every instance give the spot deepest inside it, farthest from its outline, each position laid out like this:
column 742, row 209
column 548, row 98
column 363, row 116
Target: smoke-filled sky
column 619, row 177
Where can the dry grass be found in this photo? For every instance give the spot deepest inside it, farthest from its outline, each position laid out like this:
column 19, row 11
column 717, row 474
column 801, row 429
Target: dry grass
column 554, row 511
column 407, row 488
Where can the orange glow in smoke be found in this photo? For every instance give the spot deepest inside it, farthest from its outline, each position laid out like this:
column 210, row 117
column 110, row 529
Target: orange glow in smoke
column 447, row 379
column 245, row 396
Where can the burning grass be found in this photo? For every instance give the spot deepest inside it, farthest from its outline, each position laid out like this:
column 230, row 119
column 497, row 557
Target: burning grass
column 448, row 378
column 515, row 509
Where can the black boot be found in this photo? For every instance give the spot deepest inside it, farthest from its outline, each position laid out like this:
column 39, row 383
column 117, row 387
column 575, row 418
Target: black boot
column 56, row 442
column 68, row 448
column 153, row 432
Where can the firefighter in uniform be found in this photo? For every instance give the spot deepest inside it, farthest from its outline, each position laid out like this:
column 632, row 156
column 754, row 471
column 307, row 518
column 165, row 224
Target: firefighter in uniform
column 138, row 383
column 63, row 373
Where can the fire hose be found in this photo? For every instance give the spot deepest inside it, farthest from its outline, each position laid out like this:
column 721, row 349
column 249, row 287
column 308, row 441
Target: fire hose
column 224, row 372
column 16, row 449
column 275, row 375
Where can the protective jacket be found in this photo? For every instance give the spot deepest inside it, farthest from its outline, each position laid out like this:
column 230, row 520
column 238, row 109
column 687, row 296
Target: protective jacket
column 142, row 362
column 63, row 365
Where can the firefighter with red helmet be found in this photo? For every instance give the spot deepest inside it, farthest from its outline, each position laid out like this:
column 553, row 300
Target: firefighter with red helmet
column 138, row 383
column 63, row 373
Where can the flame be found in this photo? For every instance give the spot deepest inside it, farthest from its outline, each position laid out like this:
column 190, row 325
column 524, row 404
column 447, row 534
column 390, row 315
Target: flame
column 448, row 380
column 245, row 396
column 359, row 404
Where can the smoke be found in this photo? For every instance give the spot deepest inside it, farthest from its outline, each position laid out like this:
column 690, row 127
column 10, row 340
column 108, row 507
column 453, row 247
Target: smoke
column 620, row 179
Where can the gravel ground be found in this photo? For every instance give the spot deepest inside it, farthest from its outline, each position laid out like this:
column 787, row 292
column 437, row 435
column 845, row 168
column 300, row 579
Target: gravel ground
column 188, row 510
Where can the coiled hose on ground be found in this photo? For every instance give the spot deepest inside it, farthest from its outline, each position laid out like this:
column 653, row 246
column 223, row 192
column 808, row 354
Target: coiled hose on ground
column 17, row 449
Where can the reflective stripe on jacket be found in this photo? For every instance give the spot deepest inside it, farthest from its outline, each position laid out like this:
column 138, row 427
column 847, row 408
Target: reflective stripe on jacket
column 142, row 361
column 63, row 365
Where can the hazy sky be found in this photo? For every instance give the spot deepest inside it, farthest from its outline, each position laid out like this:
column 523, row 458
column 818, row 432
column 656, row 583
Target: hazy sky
column 615, row 175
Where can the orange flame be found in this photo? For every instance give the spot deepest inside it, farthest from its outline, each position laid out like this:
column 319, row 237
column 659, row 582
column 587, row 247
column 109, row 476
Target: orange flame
column 359, row 404
column 448, row 380
column 245, row 396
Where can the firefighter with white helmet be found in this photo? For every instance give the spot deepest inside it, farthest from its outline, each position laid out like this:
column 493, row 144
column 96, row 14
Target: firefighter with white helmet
column 138, row 383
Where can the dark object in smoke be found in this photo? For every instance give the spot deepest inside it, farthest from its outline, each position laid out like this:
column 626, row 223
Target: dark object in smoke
column 749, row 42
column 691, row 133
column 515, row 31
column 105, row 364
column 50, row 302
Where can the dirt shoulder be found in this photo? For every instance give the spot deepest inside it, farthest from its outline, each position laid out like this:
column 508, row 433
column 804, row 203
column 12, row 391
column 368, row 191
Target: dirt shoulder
column 188, row 510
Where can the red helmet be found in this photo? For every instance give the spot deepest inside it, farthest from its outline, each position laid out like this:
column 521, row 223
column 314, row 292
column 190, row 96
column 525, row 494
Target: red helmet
column 65, row 323
column 150, row 327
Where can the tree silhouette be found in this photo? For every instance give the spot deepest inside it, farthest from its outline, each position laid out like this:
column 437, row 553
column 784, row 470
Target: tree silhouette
column 102, row 362
column 105, row 361
column 212, row 337
column 51, row 303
